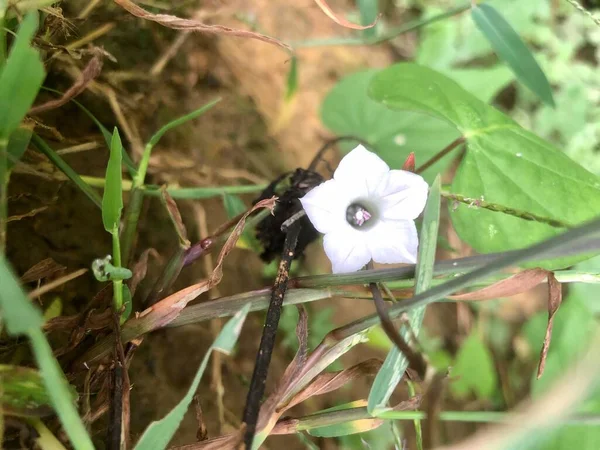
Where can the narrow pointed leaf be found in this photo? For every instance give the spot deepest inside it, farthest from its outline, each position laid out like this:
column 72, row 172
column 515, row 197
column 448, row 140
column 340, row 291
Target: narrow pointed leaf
column 510, row 48
column 112, row 201
column 395, row 364
column 20, row 78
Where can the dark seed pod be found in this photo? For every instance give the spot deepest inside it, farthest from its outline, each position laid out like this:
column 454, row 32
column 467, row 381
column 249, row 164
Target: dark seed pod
column 268, row 231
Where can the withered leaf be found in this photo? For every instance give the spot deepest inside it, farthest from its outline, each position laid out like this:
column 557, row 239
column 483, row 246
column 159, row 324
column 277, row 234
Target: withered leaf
column 554, row 302
column 178, row 23
column 516, row 284
column 340, row 20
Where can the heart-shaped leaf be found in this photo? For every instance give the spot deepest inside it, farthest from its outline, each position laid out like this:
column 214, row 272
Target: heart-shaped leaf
column 504, row 164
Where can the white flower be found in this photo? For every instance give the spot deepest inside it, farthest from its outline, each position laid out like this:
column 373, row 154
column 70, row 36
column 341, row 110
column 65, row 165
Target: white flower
column 366, row 212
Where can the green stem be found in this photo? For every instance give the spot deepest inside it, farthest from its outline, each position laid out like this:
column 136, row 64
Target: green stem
column 395, row 32
column 132, row 215
column 153, row 190
column 117, row 284
column 330, row 418
column 2, row 35
column 3, row 192
column 481, row 203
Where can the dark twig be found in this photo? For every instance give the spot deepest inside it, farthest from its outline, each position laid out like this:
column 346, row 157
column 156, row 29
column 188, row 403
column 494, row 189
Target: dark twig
column 415, row 360
column 118, row 426
column 327, row 145
column 455, row 143
column 267, row 342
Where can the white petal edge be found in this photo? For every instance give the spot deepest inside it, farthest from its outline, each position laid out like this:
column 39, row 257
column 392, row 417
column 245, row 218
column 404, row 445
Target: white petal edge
column 360, row 172
column 401, row 195
column 325, row 206
column 347, row 249
column 393, row 242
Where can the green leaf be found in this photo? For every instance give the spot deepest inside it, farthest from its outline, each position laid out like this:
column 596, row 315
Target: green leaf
column 159, row 433
column 18, row 313
column 112, row 201
column 17, row 144
column 509, row 47
column 395, row 363
column 234, row 206
column 504, row 164
column 66, row 169
column 346, row 427
column 473, row 370
column 20, row 78
column 180, row 121
column 347, row 110
column 292, row 80
column 21, row 317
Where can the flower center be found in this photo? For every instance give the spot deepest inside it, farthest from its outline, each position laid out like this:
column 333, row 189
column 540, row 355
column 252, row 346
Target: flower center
column 357, row 215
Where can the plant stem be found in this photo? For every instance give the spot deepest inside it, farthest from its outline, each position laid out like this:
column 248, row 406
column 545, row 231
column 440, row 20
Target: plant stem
column 414, row 359
column 3, row 192
column 455, row 143
column 395, row 32
column 117, row 284
column 480, row 203
column 329, row 418
column 267, row 341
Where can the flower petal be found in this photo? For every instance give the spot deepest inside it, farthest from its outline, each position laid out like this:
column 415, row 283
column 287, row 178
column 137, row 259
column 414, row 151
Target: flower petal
column 401, row 195
column 325, row 206
column 347, row 249
column 360, row 171
column 393, row 241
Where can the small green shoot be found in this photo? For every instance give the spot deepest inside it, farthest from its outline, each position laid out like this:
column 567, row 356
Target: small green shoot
column 112, row 205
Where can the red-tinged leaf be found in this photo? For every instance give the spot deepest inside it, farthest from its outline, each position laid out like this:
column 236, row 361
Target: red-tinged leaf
column 518, row 283
column 554, row 302
column 409, row 164
column 175, row 217
column 340, row 20
column 91, row 71
column 331, row 381
column 140, row 269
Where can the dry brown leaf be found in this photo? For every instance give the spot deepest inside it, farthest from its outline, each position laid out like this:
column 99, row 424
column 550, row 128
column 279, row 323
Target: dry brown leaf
column 330, row 381
column 518, row 283
column 56, row 283
column 554, row 302
column 340, row 20
column 178, row 23
column 140, row 269
column 43, row 269
column 175, row 216
column 91, row 71
column 32, row 213
column 163, row 312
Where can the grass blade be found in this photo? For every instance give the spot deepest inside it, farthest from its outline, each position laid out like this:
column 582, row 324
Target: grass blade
column 112, row 201
column 510, row 48
column 159, row 433
column 20, row 78
column 21, row 317
column 395, row 364
column 66, row 169
column 180, row 121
